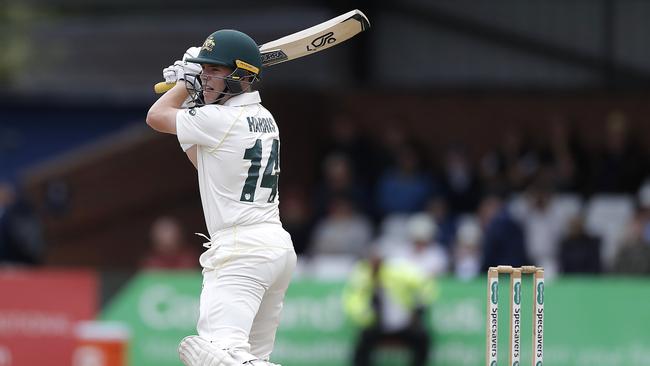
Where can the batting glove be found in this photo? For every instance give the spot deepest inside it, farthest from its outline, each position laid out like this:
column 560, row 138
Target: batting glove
column 179, row 69
column 191, row 52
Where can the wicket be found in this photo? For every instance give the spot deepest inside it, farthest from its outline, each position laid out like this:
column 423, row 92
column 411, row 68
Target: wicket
column 515, row 313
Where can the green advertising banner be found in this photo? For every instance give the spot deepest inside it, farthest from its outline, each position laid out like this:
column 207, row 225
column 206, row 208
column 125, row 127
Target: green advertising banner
column 588, row 322
column 160, row 309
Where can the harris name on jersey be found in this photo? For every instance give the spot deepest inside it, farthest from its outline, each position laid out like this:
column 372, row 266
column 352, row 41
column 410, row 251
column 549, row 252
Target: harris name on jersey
column 261, row 124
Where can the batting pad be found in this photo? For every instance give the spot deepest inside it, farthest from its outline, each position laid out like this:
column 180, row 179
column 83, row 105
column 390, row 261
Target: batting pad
column 196, row 351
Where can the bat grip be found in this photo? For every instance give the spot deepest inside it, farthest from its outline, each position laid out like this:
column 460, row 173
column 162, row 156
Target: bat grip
column 163, row 87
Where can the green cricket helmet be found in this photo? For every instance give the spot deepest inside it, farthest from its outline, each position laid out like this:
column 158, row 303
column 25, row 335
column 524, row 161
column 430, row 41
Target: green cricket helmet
column 230, row 48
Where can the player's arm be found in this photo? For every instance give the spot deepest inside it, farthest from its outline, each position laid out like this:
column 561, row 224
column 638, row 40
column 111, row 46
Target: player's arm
column 162, row 114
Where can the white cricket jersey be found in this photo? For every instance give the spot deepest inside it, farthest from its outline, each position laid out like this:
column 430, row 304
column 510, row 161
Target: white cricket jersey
column 238, row 160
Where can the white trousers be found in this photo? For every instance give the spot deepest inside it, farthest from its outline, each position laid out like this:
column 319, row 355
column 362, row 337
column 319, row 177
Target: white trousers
column 246, row 273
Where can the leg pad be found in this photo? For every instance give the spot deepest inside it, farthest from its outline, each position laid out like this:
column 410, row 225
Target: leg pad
column 197, row 351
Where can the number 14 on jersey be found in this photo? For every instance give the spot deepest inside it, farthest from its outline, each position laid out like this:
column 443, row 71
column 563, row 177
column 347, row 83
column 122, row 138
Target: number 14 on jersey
column 271, row 171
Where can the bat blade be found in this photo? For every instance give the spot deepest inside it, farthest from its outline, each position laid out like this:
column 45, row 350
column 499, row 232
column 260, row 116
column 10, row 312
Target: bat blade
column 306, row 42
column 314, row 39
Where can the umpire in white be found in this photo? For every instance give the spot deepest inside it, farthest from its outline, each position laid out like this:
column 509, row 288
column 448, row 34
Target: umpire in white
column 234, row 143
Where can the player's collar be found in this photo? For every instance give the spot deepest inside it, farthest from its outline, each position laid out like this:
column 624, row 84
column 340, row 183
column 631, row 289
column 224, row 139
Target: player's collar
column 244, row 99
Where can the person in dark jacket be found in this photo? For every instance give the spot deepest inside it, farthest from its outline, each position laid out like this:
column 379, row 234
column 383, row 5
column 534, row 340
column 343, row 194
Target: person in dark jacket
column 503, row 240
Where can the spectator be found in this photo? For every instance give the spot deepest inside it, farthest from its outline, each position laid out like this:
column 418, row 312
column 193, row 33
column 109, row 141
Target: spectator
column 543, row 226
column 169, row 247
column 404, row 188
column 295, row 219
column 633, row 256
column 644, row 208
column 345, row 140
column 21, row 236
column 392, row 139
column 511, row 166
column 388, row 302
column 503, row 240
column 579, row 251
column 445, row 221
column 467, row 250
column 339, row 180
column 343, row 232
column 459, row 184
column 619, row 167
column 424, row 252
column 564, row 157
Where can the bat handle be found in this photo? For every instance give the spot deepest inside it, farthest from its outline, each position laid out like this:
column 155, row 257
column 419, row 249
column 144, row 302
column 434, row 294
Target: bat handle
column 163, row 87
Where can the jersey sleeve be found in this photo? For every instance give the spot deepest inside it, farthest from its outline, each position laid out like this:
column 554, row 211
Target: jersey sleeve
column 186, row 147
column 202, row 126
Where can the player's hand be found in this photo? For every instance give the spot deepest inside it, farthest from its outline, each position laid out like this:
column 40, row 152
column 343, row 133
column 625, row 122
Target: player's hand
column 191, row 53
column 179, row 69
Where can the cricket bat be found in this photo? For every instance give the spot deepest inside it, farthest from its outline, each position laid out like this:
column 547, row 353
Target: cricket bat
column 306, row 42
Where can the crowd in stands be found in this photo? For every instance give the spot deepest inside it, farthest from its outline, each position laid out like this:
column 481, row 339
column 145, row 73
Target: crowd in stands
column 551, row 202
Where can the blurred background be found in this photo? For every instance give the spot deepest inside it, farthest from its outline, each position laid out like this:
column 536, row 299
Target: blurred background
column 453, row 135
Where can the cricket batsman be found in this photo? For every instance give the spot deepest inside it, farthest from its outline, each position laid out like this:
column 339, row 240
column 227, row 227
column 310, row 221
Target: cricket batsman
column 234, row 143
